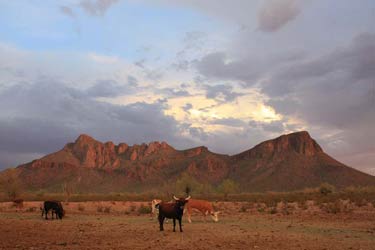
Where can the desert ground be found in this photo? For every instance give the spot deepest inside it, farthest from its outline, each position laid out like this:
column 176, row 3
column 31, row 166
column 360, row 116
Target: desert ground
column 127, row 225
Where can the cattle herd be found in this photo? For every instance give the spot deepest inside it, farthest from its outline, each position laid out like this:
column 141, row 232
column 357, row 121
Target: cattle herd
column 173, row 209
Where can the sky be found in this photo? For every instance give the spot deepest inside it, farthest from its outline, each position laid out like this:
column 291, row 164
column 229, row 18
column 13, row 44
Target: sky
column 227, row 74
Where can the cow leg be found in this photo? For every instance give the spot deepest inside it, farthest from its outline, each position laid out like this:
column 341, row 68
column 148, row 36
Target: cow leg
column 189, row 215
column 204, row 216
column 179, row 222
column 46, row 214
column 161, row 221
column 174, row 224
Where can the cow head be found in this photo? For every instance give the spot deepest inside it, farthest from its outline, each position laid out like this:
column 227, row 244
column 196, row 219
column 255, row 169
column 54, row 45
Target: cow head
column 181, row 201
column 214, row 216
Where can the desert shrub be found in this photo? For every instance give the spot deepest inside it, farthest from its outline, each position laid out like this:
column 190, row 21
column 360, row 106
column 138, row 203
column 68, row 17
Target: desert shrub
column 144, row 209
column 361, row 202
column 81, row 207
column 11, row 184
column 245, row 207
column 260, row 209
column 107, row 210
column 187, row 184
column 326, row 189
column 132, row 208
column 303, row 205
column 99, row 209
column 227, row 187
column 31, row 209
column 332, row 207
column 273, row 210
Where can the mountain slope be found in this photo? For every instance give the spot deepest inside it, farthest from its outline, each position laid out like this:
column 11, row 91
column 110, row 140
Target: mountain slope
column 289, row 162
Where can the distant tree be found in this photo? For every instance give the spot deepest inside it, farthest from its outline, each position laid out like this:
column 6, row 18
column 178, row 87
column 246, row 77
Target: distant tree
column 187, row 184
column 326, row 188
column 187, row 190
column 11, row 184
column 227, row 186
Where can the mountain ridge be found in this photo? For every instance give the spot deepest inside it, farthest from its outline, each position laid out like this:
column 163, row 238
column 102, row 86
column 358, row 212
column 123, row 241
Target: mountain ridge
column 288, row 162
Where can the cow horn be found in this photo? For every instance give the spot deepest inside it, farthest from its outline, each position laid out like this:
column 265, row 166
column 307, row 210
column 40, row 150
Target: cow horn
column 188, row 198
column 174, row 197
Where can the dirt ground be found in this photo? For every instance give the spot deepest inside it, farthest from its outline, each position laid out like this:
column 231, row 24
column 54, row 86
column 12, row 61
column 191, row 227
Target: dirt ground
column 89, row 225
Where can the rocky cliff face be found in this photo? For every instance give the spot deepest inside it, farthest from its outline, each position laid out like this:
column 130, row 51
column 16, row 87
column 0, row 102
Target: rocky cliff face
column 299, row 143
column 292, row 161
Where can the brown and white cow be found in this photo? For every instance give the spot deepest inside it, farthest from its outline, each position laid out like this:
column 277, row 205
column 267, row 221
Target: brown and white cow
column 205, row 207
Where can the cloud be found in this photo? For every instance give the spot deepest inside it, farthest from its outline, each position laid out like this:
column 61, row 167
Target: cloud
column 231, row 122
column 187, row 107
column 132, row 81
column 221, row 92
column 104, row 58
column 331, row 93
column 275, row 14
column 42, row 116
column 109, row 88
column 66, row 10
column 96, row 7
column 173, row 92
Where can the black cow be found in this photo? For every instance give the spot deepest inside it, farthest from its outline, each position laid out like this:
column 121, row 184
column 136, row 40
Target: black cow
column 55, row 207
column 172, row 211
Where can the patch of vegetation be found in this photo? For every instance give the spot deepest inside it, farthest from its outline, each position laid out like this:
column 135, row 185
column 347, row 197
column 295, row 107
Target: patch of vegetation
column 81, row 207
column 31, row 209
column 326, row 189
column 144, row 209
column 107, row 210
column 99, row 209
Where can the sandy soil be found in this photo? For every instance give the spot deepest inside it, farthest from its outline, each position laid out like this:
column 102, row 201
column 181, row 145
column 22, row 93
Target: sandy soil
column 123, row 228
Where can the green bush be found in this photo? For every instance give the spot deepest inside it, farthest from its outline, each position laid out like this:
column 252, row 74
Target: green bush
column 144, row 209
column 326, row 189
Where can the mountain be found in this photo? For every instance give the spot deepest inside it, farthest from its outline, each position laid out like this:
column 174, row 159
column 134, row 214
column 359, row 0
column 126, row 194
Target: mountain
column 289, row 162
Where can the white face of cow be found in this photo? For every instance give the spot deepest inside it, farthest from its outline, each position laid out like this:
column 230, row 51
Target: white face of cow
column 214, row 216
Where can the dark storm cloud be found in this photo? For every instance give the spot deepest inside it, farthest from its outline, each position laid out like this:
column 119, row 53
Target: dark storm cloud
column 247, row 70
column 187, row 107
column 274, row 14
column 221, row 92
column 173, row 92
column 231, row 122
column 274, row 126
column 215, row 66
column 96, row 7
column 41, row 117
column 109, row 88
column 333, row 91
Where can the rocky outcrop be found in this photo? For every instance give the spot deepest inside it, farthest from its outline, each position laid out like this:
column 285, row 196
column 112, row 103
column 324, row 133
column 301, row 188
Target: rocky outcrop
column 299, row 142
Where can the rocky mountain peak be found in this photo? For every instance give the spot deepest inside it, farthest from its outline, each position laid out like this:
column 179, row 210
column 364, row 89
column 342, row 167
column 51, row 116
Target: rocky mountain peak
column 299, row 142
column 84, row 139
